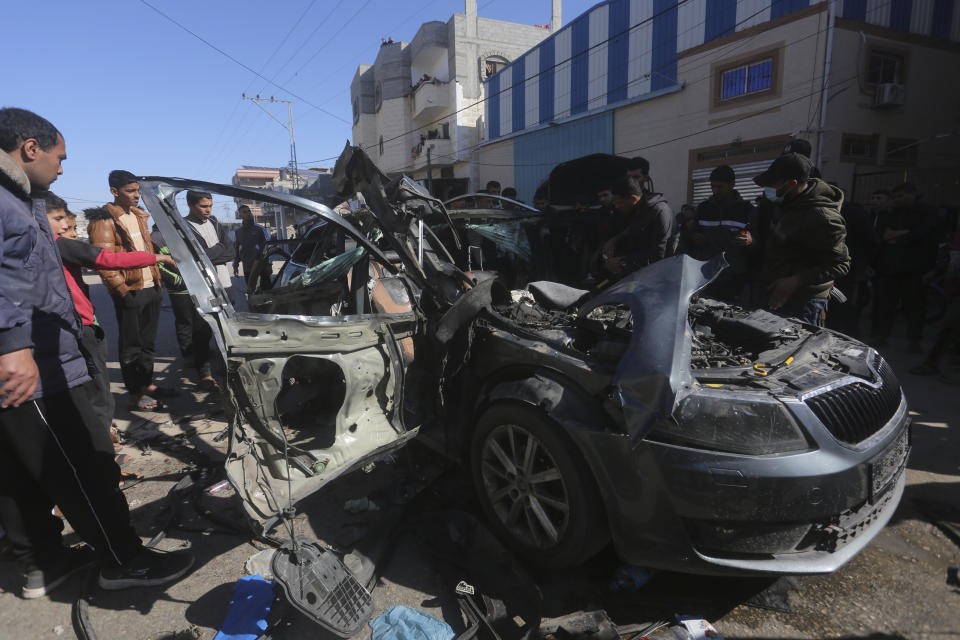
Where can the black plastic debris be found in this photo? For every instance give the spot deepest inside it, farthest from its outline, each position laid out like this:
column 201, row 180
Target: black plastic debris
column 953, row 578
column 583, row 625
column 319, row 586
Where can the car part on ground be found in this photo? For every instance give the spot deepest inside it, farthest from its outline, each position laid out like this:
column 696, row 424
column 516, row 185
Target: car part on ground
column 319, row 586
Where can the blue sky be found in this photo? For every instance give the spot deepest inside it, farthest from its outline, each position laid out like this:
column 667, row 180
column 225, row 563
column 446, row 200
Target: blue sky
column 129, row 89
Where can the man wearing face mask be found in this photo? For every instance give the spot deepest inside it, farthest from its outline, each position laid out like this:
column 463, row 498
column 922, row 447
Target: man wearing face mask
column 805, row 251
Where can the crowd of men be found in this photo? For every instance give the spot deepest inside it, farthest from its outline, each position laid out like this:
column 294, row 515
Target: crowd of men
column 789, row 251
column 55, row 415
column 57, row 437
column 792, row 250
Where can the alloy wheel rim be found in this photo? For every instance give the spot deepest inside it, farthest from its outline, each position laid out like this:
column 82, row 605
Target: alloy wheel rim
column 524, row 486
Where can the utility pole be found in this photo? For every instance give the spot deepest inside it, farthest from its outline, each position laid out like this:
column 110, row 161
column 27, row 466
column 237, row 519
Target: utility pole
column 429, row 170
column 282, row 226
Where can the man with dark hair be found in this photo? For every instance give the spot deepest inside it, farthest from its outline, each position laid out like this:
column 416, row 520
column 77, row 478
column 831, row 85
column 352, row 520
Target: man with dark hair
column 639, row 168
column 881, row 202
column 908, row 250
column 862, row 245
column 121, row 227
column 493, row 188
column 220, row 250
column 47, row 456
column 249, row 241
column 648, row 232
column 75, row 256
column 509, row 192
column 805, row 252
column 724, row 222
column 540, row 200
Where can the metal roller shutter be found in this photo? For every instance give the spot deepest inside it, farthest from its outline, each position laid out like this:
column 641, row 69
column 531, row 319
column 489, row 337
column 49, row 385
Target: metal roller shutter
column 745, row 173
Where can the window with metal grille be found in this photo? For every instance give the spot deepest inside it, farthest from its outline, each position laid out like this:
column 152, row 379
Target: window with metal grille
column 746, row 79
column 902, row 152
column 855, row 148
column 884, row 68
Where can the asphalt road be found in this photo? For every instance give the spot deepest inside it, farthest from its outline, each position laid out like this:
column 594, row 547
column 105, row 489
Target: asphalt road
column 896, row 588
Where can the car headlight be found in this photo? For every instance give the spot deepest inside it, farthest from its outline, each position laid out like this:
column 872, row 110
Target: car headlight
column 737, row 425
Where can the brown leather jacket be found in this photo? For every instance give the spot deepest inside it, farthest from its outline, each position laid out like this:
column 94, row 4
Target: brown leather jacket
column 105, row 231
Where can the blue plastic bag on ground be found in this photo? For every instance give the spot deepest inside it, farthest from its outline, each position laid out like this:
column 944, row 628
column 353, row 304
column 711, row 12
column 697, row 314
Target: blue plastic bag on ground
column 249, row 608
column 405, row 623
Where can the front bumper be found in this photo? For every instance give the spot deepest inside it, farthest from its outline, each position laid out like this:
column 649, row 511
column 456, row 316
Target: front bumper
column 697, row 511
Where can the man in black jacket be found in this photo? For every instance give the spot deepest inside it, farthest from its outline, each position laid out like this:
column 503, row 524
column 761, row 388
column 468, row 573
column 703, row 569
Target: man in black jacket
column 250, row 238
column 908, row 249
column 805, row 252
column 648, row 232
column 220, row 250
column 724, row 223
column 47, row 456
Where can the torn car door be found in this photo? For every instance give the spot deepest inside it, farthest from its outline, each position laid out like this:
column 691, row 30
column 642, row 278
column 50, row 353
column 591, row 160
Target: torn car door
column 315, row 395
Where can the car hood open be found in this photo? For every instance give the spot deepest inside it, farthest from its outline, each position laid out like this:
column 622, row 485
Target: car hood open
column 654, row 373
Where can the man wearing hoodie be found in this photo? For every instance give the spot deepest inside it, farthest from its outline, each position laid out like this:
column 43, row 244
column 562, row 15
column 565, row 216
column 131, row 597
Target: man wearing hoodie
column 649, row 229
column 47, row 455
column 805, row 250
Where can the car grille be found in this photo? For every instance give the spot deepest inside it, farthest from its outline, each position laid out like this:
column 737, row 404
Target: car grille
column 854, row 412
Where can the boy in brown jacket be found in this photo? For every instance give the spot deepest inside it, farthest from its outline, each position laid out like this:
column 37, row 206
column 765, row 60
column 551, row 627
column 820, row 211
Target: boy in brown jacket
column 121, row 227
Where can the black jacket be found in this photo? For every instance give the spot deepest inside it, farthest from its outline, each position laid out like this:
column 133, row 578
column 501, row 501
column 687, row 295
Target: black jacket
column 649, row 233
column 913, row 253
column 807, row 240
column 36, row 308
column 719, row 222
column 250, row 239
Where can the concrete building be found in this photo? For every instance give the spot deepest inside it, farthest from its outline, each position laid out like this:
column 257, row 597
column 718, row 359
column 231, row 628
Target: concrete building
column 281, row 179
column 425, row 96
column 696, row 84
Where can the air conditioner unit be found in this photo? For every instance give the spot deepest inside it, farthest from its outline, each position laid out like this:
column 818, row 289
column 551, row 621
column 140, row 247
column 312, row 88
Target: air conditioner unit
column 889, row 95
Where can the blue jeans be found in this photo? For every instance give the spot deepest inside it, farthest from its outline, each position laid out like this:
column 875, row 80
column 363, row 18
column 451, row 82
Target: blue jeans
column 810, row 310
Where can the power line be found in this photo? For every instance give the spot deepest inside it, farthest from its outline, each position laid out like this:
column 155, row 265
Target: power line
column 677, row 138
column 327, row 42
column 280, row 69
column 283, row 41
column 241, row 64
column 537, row 75
column 577, row 55
column 306, row 40
column 563, row 62
column 367, row 51
column 724, row 50
column 572, row 57
column 520, row 83
column 554, row 66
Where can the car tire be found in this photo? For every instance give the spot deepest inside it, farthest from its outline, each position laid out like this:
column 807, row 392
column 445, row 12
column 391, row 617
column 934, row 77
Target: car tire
column 545, row 506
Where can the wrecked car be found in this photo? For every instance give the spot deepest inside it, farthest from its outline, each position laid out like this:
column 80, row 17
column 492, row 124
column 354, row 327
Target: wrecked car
column 694, row 435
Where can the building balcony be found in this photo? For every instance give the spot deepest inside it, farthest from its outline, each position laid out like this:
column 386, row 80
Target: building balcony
column 441, row 153
column 431, row 100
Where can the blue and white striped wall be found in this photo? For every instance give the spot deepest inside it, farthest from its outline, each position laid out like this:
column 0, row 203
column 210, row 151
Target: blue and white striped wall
column 621, row 50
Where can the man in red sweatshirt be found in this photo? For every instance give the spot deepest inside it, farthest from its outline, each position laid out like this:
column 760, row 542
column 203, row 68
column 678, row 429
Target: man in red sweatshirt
column 75, row 256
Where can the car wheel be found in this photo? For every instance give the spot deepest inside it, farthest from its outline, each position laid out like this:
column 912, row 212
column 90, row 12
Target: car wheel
column 534, row 487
